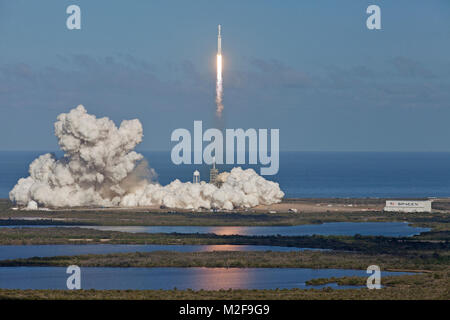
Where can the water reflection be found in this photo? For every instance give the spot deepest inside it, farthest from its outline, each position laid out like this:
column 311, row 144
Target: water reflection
column 169, row 278
column 388, row 229
column 221, row 278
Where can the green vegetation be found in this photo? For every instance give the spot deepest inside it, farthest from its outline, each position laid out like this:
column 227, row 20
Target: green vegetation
column 344, row 281
column 416, row 261
column 423, row 286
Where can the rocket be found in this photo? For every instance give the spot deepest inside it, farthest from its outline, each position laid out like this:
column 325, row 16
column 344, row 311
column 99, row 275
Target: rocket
column 219, row 42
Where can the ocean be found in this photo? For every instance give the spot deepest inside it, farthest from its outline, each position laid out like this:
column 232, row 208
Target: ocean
column 303, row 174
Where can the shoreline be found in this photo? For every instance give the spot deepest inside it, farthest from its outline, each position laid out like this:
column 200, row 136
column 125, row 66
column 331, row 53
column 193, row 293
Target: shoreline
column 312, row 211
column 300, row 204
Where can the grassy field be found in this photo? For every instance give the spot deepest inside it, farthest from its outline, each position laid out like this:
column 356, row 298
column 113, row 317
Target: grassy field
column 413, row 260
column 438, row 221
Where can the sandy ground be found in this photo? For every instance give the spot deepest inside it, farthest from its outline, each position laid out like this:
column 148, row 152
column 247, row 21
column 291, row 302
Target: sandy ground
column 302, row 205
column 319, row 207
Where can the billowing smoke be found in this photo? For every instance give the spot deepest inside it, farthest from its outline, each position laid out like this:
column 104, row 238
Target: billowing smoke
column 100, row 168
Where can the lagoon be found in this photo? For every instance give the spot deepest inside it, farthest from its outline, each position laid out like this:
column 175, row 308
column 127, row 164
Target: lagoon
column 170, row 278
column 387, row 229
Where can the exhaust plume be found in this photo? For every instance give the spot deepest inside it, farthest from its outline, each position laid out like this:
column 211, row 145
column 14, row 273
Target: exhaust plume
column 219, row 86
column 101, row 168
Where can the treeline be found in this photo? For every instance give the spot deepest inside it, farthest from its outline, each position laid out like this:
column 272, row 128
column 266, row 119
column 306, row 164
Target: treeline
column 243, row 259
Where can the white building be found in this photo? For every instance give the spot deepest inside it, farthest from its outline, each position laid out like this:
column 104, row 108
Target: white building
column 407, row 206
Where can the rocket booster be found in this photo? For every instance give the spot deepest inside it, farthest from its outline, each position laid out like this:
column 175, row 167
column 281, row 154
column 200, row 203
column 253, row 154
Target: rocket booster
column 219, row 42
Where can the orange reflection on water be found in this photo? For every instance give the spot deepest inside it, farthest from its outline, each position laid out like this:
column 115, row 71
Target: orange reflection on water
column 226, row 230
column 235, row 278
column 224, row 247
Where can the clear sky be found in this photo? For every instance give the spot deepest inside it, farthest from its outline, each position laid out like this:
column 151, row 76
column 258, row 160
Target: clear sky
column 310, row 68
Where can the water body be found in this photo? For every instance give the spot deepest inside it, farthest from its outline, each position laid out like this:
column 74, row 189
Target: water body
column 169, row 278
column 304, row 174
column 28, row 251
column 387, row 229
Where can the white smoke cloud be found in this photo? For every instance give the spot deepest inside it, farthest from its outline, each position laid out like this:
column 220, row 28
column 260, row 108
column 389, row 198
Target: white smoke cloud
column 219, row 87
column 100, row 168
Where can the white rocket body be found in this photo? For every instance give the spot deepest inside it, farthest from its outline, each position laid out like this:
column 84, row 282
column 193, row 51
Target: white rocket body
column 219, row 42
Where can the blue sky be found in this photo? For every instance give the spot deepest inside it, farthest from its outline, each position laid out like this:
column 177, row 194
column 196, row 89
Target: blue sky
column 310, row 68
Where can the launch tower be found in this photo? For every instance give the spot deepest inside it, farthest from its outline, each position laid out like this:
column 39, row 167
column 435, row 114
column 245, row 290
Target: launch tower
column 213, row 173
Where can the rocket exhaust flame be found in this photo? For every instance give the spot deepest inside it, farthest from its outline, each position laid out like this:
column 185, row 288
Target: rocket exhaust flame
column 219, row 85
